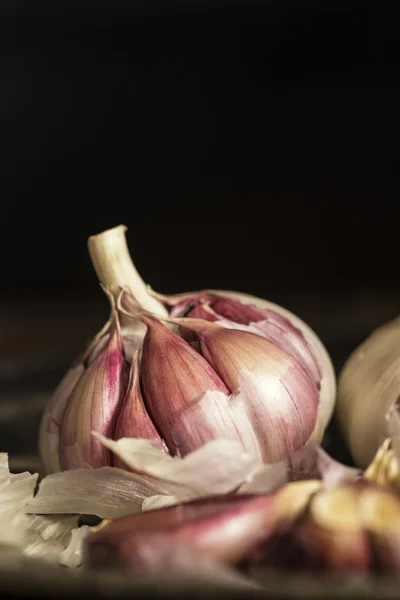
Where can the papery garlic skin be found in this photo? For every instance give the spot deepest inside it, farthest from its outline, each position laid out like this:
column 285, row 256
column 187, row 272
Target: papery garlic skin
column 278, row 396
column 369, row 385
column 94, row 405
column 270, row 324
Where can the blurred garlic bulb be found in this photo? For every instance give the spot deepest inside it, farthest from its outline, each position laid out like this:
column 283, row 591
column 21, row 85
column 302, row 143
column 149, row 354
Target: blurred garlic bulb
column 369, row 386
column 353, row 527
column 188, row 369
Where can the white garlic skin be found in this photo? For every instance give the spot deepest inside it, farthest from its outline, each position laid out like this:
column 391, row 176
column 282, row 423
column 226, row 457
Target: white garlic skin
column 328, row 379
column 369, row 384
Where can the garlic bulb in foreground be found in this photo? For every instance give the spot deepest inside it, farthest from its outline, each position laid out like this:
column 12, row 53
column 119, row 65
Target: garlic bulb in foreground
column 232, row 367
column 353, row 527
column 369, row 386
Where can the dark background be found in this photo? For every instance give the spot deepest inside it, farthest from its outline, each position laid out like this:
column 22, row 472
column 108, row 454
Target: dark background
column 249, row 145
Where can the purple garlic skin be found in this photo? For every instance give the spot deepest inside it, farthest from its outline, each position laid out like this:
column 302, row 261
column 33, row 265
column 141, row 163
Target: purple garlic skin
column 275, row 323
column 173, row 375
column 133, row 416
column 266, row 322
column 220, row 528
column 280, row 398
column 93, row 406
column 350, row 528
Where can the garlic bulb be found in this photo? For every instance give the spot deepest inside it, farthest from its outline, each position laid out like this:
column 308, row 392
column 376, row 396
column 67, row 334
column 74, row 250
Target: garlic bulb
column 369, row 386
column 246, row 370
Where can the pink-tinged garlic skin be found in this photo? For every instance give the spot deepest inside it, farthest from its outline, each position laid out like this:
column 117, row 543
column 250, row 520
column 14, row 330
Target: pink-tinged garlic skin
column 214, row 416
column 349, row 529
column 133, row 419
column 173, row 375
column 270, row 324
column 312, row 349
column 279, row 397
column 223, row 529
column 93, row 406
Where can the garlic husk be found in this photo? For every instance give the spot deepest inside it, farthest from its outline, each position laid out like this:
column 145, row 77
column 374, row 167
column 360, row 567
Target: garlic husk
column 37, row 536
column 369, row 385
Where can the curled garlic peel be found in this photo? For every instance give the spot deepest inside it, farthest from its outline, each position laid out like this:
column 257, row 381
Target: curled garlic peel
column 182, row 400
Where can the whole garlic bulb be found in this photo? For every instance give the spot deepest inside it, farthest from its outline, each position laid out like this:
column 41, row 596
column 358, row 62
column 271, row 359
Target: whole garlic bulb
column 256, row 373
column 369, row 385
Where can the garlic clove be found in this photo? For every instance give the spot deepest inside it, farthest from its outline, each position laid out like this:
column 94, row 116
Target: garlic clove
column 224, row 529
column 214, row 416
column 272, row 325
column 93, row 405
column 283, row 413
column 133, row 419
column 173, row 375
column 279, row 397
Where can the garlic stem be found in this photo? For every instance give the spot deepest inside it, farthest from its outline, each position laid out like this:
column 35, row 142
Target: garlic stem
column 115, row 269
